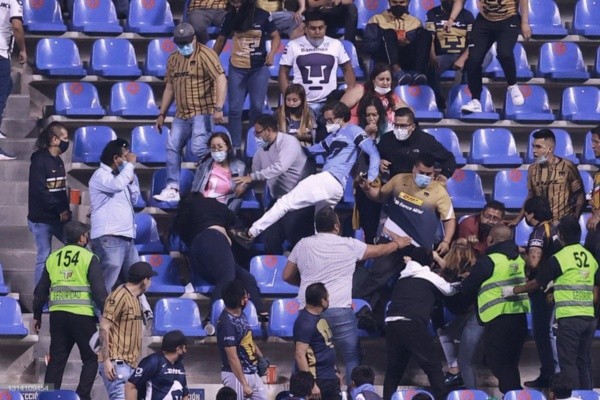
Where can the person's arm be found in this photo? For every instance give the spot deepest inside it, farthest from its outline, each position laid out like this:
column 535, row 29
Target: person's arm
column 221, row 93
column 97, row 286
column 482, row 270
column 534, row 256
column 40, row 297
column 379, row 194
column 104, row 333
column 300, row 356
column 353, row 95
column 284, row 81
column 349, row 76
column 219, row 44
column 456, row 9
column 548, row 271
column 134, row 189
column 275, row 41
column 291, row 274
column 449, row 229
column 108, row 183
column 368, row 146
column 521, row 214
column 380, row 250
column 236, row 368
column 443, row 157
column 524, row 11
column 131, row 392
column 19, row 34
column 530, row 286
column 165, row 103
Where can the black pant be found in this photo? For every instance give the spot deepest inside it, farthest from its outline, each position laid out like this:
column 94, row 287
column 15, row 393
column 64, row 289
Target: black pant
column 504, row 337
column 505, row 34
column 542, row 314
column 574, row 346
column 294, row 225
column 342, row 16
column 330, row 389
column 212, row 258
column 368, row 212
column 412, row 57
column 66, row 330
column 403, row 340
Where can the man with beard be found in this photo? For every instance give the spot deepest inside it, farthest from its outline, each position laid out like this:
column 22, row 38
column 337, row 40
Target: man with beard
column 475, row 228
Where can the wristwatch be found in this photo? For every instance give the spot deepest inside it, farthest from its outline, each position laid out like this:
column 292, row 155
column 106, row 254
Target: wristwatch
column 218, row 108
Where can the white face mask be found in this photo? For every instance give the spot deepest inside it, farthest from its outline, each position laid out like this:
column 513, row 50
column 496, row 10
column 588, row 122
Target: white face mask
column 218, row 156
column 542, row 159
column 401, row 133
column 331, row 128
column 382, row 90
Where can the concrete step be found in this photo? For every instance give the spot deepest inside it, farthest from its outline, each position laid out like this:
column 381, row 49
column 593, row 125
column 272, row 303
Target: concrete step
column 20, row 126
column 16, row 196
column 14, row 215
column 16, row 238
column 20, row 147
column 17, row 106
column 15, row 170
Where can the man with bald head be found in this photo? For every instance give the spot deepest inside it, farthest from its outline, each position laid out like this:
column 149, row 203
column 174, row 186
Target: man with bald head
column 502, row 316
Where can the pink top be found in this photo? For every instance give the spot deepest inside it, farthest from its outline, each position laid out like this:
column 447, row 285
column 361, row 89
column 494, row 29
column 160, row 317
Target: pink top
column 384, row 100
column 219, row 183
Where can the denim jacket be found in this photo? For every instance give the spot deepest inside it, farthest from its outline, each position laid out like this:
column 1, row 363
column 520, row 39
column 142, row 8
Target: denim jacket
column 237, row 167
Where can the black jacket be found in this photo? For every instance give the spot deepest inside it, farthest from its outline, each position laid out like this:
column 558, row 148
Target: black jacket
column 47, row 188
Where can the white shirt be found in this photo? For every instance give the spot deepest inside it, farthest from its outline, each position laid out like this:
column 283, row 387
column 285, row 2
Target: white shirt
column 315, row 68
column 9, row 9
column 330, row 259
column 112, row 198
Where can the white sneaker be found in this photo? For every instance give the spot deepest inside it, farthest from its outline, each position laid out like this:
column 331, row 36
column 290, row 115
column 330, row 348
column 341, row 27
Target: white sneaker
column 167, row 194
column 189, row 288
column 516, row 95
column 4, row 156
column 473, row 106
column 2, row 135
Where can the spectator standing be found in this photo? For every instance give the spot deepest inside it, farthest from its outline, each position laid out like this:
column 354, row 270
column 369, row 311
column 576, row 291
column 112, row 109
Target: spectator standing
column 476, row 228
column 574, row 271
column 161, row 375
column 196, row 80
column 48, row 201
column 498, row 22
column 73, row 281
column 205, row 13
column 121, row 330
column 592, row 240
column 338, row 14
column 314, row 350
column 239, row 353
column 250, row 27
column 331, row 259
column 295, row 117
column 314, row 59
column 287, row 22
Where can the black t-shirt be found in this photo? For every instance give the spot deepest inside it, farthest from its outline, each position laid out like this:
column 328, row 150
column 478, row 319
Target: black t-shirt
column 196, row 213
column 156, row 378
column 545, row 237
column 455, row 41
column 314, row 331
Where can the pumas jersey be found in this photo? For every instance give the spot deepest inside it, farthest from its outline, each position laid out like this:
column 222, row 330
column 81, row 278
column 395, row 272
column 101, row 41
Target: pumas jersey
column 156, row 378
column 498, row 10
column 9, row 9
column 315, row 68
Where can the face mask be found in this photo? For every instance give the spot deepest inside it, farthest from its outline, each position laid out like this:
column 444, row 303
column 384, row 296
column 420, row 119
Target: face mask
column 218, row 156
column 398, row 11
column 401, row 133
column 293, row 109
column 331, row 128
column 382, row 90
column 262, row 143
column 121, row 166
column 315, row 42
column 422, row 180
column 186, row 49
column 542, row 159
column 63, row 146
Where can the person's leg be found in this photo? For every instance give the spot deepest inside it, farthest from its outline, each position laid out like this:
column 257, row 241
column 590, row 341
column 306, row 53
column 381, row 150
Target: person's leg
column 369, row 212
column 61, row 344
column 111, row 251
column 541, row 316
column 258, row 83
column 82, row 330
column 350, row 18
column 131, row 257
column 42, row 235
column 584, row 353
column 344, row 329
column 507, row 34
column 469, row 342
column 236, row 94
column 330, row 389
column 259, row 389
column 397, row 358
column 122, row 8
column 418, row 52
column 6, row 84
column 449, row 336
column 181, row 131
column 299, row 224
column 217, row 17
column 200, row 19
column 481, row 40
column 251, row 287
column 202, row 127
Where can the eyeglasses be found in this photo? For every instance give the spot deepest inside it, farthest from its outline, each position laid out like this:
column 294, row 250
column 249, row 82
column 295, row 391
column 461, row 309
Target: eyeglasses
column 257, row 133
column 492, row 218
column 402, row 125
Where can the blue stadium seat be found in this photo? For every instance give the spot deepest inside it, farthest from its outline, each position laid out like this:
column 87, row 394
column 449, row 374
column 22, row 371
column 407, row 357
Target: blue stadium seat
column 581, row 104
column 267, row 270
column 536, row 108
column 597, row 64
column 510, row 187
column 182, row 314
column 585, row 394
column 167, row 281
column 469, row 394
column 422, row 100
column 114, row 58
column 11, row 319
column 157, row 54
column 11, row 394
column 351, row 50
column 544, row 19
column 201, row 285
column 89, row 142
column 140, row 204
column 274, row 69
column 250, row 201
column 62, row 394
column 174, row 243
column 132, row 99
column 150, row 17
column 347, row 201
column 283, row 315
column 367, row 9
column 522, row 232
column 583, row 218
column 43, row 17
column 561, row 60
column 148, row 144
column 95, row 17
column 78, row 99
column 447, row 137
column 58, row 57
column 461, row 95
column 563, row 148
column 159, row 182
column 4, row 289
column 225, row 53
column 357, row 305
column 471, row 5
column 588, row 156
column 586, row 18
column 251, row 146
column 419, row 8
column 409, row 394
column 588, row 181
column 465, row 189
column 494, row 69
column 249, row 311
column 147, row 239
column 492, row 147
column 528, row 394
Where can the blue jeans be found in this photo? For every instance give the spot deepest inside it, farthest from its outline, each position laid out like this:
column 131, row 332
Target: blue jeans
column 242, row 81
column 6, row 84
column 42, row 234
column 542, row 318
column 199, row 128
column 116, row 388
column 344, row 329
column 469, row 342
column 116, row 255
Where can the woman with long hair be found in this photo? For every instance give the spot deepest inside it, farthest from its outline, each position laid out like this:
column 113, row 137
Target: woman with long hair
column 295, row 117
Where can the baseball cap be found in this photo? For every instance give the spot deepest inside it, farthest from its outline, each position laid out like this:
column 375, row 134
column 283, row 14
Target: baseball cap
column 183, row 33
column 140, row 271
column 172, row 340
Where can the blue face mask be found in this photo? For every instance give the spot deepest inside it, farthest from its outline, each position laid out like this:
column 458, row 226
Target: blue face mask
column 186, row 49
column 422, row 180
column 262, row 143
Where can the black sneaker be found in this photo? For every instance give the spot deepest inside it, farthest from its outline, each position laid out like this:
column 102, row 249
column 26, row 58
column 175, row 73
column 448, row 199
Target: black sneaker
column 419, row 79
column 539, row 382
column 451, row 379
column 241, row 237
column 403, row 78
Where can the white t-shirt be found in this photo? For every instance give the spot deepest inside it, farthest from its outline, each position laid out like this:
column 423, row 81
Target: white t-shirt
column 315, row 68
column 9, row 9
column 330, row 259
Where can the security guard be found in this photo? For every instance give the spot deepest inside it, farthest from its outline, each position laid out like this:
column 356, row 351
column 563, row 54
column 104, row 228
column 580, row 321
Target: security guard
column 503, row 317
column 73, row 281
column 574, row 271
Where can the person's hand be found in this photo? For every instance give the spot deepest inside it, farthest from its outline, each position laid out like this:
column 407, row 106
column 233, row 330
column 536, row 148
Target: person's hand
column 239, row 190
column 247, row 390
column 363, row 182
column 130, row 157
column 508, row 291
column 407, row 259
column 448, row 25
column 371, row 129
column 403, row 241
column 315, row 393
column 37, row 325
column 525, row 31
column 592, row 222
column 218, row 117
column 22, row 57
column 65, row 216
column 441, row 179
column 109, row 370
column 298, row 16
column 384, row 166
column 472, row 239
column 443, row 247
column 269, row 59
column 403, row 42
column 459, row 63
column 242, row 180
column 159, row 123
